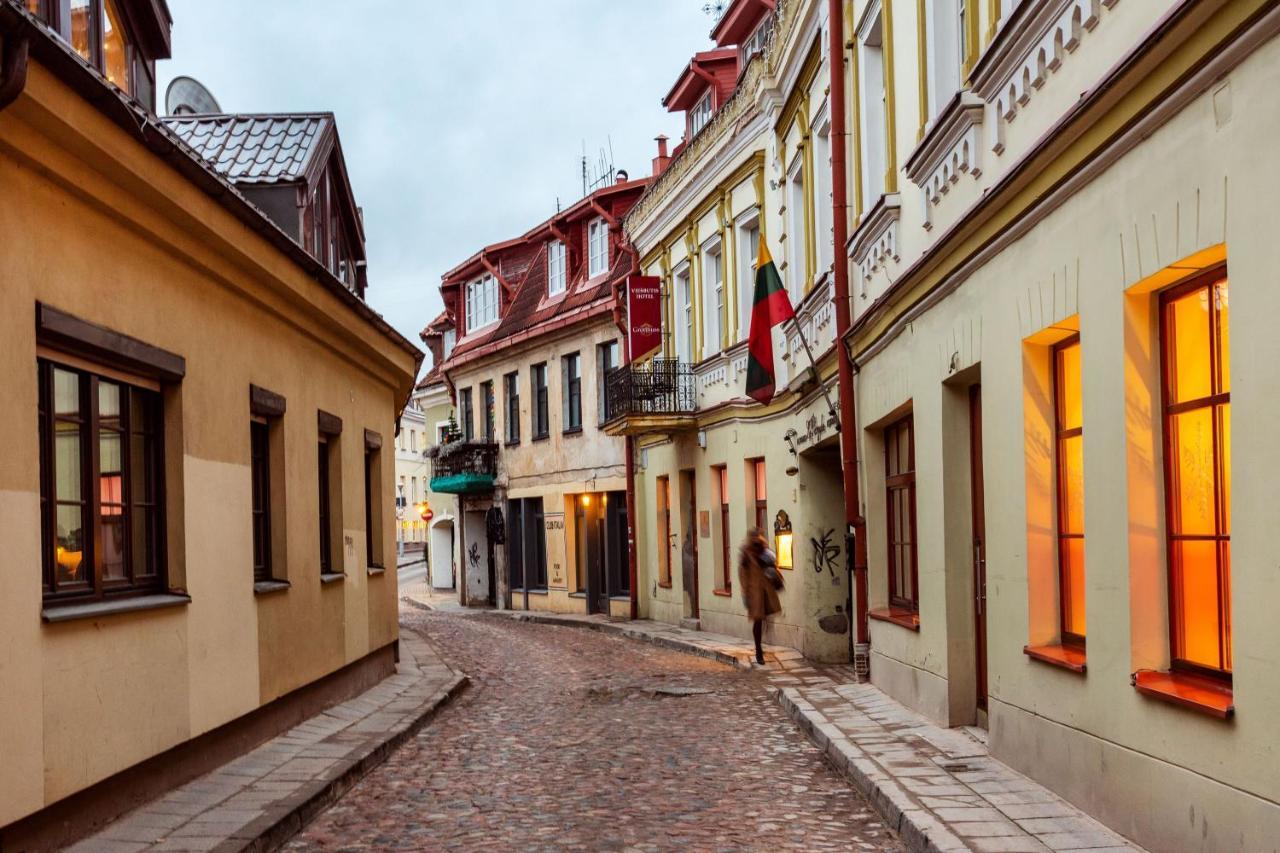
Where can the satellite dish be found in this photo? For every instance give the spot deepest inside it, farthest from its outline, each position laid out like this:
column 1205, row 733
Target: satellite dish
column 188, row 96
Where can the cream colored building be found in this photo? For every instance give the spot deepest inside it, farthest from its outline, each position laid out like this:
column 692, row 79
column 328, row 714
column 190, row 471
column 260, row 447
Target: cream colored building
column 1054, row 206
column 431, row 397
column 194, row 530
column 542, row 489
column 714, row 463
column 412, row 478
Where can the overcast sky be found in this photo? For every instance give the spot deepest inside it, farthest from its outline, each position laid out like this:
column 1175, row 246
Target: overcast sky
column 462, row 121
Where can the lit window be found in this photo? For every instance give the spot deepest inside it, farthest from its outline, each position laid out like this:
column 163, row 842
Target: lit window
column 555, row 268
column 115, row 51
column 1069, row 429
column 597, row 248
column 900, row 500
column 1197, row 465
column 700, row 114
column 760, row 494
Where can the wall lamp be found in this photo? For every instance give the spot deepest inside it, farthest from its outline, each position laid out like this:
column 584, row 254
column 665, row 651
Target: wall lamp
column 783, row 539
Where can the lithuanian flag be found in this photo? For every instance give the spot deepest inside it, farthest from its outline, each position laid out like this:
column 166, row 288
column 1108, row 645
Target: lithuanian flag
column 771, row 307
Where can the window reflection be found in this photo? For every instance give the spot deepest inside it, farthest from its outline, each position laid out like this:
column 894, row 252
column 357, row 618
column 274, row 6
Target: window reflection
column 81, row 18
column 115, row 51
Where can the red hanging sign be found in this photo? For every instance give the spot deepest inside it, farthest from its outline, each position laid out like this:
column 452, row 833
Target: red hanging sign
column 644, row 316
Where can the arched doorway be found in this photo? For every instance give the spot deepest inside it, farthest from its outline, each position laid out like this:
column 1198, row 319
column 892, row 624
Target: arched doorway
column 443, row 570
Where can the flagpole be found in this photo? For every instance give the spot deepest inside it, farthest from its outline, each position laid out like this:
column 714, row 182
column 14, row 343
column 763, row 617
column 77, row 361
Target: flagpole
column 826, row 393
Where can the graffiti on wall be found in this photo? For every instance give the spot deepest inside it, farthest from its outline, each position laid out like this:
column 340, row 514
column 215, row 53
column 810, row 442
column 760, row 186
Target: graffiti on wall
column 826, row 553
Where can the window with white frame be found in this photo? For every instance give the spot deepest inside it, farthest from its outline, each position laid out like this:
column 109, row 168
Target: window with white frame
column 597, row 248
column 700, row 114
column 482, row 303
column 874, row 116
column 822, row 196
column 945, row 38
column 450, row 338
column 555, row 268
column 684, row 317
column 713, row 298
column 797, row 238
column 758, row 39
column 748, row 249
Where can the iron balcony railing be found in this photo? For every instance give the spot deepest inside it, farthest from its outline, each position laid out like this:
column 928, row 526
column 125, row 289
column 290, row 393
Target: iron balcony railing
column 662, row 386
column 464, row 467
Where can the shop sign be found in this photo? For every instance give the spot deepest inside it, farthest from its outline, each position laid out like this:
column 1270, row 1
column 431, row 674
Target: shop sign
column 644, row 316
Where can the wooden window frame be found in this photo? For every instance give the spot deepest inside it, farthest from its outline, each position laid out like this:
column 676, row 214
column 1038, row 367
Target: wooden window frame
column 760, row 503
column 97, row 587
column 1061, row 436
column 329, row 429
column 372, row 492
column 488, row 412
column 260, row 498
column 1216, row 399
column 511, row 390
column 721, row 472
column 467, row 410
column 571, row 374
column 541, row 426
column 904, row 481
column 663, row 511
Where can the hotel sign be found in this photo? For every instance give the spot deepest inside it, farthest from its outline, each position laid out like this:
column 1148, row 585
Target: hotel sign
column 644, row 316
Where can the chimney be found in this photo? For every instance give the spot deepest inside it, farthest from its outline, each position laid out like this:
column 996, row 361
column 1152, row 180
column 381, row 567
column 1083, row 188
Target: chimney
column 663, row 159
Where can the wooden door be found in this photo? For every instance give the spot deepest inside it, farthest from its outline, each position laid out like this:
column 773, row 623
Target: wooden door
column 979, row 545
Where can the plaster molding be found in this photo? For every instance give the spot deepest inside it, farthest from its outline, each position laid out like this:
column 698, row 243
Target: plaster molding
column 875, row 241
column 952, row 147
column 1028, row 50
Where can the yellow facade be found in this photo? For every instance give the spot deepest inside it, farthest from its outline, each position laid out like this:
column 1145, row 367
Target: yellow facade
column 99, row 227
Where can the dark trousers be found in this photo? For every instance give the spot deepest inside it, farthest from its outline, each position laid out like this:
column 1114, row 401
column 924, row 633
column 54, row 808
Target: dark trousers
column 757, row 631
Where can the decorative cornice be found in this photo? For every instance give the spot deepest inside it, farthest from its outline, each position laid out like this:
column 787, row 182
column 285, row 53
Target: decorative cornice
column 950, row 148
column 875, row 241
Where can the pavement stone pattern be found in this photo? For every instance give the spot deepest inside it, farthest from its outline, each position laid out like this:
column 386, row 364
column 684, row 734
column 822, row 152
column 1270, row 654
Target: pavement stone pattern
column 577, row 740
column 259, row 799
column 937, row 787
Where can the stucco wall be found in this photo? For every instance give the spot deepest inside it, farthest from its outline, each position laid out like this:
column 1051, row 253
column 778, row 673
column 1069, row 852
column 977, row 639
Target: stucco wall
column 97, row 227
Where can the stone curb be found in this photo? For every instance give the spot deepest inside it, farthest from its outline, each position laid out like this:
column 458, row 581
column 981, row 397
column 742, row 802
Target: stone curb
column 918, row 830
column 286, row 818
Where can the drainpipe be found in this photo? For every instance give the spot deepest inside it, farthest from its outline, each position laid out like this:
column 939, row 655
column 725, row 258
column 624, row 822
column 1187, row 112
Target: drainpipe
column 849, row 409
column 633, row 583
column 13, row 71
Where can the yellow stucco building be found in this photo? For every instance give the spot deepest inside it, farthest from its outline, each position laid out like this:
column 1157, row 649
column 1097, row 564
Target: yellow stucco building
column 194, row 489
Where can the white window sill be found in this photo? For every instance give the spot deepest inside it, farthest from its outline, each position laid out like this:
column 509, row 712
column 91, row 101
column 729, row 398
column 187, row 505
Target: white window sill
column 95, row 609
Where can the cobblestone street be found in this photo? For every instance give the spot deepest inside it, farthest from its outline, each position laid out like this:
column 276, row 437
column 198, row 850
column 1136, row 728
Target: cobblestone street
column 565, row 740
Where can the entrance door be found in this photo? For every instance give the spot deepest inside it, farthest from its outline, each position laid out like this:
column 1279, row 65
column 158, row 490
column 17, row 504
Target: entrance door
column 979, row 549
column 689, row 555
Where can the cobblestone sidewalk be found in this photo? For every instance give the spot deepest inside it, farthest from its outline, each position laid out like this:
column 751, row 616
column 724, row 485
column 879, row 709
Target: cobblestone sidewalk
column 938, row 787
column 260, row 799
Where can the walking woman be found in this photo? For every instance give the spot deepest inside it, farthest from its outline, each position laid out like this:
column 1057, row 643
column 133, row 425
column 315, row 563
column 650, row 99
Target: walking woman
column 759, row 579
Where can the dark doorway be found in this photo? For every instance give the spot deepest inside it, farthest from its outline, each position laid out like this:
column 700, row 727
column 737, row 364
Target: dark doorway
column 979, row 550
column 689, row 551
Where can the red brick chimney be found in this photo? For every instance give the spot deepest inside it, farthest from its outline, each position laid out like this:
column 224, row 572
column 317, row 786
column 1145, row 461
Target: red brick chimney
column 663, row 159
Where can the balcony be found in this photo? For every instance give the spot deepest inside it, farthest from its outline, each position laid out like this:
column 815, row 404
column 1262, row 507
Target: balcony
column 464, row 468
column 658, row 396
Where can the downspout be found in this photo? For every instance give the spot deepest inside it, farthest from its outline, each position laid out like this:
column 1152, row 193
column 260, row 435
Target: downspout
column 633, row 583
column 849, row 413
column 13, row 70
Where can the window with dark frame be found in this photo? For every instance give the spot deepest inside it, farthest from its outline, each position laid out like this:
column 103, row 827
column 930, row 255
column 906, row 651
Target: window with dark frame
column 900, row 500
column 721, row 473
column 326, row 534
column 97, row 31
column 260, row 473
column 541, row 419
column 1069, row 474
column 606, row 360
column 372, row 498
column 511, row 390
column 571, row 391
column 101, row 485
column 1197, row 466
column 760, row 495
column 468, row 419
column 487, row 403
column 527, row 544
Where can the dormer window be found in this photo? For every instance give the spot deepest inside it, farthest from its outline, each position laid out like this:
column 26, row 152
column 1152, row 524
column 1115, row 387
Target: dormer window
column 555, row 268
column 449, row 338
column 700, row 114
column 757, row 41
column 481, row 303
column 597, row 248
column 96, row 30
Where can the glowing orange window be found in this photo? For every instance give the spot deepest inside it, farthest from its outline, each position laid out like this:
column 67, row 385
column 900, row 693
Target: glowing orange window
column 1197, row 464
column 1069, row 428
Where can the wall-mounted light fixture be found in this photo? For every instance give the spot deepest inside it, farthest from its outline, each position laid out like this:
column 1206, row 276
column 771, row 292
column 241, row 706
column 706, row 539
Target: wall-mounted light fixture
column 783, row 539
column 702, row 439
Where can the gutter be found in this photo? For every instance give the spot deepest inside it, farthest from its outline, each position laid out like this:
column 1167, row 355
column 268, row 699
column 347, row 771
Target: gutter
column 13, row 69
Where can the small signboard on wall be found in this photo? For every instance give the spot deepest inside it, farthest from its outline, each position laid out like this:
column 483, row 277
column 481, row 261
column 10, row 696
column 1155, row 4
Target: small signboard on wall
column 557, row 576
